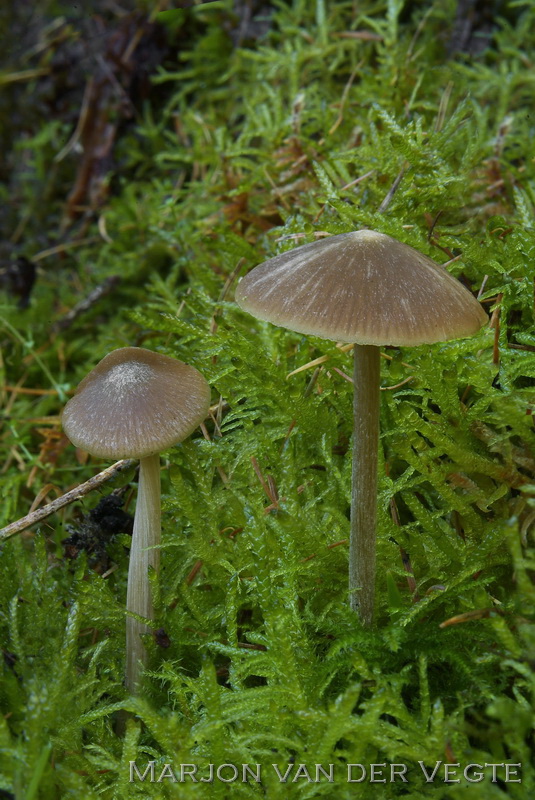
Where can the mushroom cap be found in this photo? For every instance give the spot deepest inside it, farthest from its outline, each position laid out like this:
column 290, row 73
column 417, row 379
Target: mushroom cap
column 135, row 403
column 363, row 287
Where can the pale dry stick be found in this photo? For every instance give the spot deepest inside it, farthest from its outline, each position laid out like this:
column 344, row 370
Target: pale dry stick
column 443, row 106
column 101, row 225
column 357, row 180
column 60, row 248
column 452, row 260
column 24, row 75
column 69, row 497
column 344, row 348
column 82, row 118
column 419, row 29
column 364, row 36
column 316, row 362
column 295, row 236
column 482, row 287
column 391, row 192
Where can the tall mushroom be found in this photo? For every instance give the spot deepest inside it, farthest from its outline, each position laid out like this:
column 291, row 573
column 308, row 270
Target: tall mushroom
column 368, row 289
column 134, row 404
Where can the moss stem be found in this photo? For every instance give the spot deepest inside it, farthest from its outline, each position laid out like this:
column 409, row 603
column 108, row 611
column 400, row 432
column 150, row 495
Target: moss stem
column 362, row 543
column 143, row 554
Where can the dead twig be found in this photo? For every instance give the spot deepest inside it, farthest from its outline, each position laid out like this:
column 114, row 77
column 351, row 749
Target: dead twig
column 105, row 288
column 70, row 497
column 267, row 485
column 391, row 192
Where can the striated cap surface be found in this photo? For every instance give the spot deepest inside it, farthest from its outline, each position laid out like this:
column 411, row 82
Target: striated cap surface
column 363, row 287
column 135, row 403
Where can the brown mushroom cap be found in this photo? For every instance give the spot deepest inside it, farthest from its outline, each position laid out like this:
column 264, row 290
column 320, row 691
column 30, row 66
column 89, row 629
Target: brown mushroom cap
column 135, row 403
column 362, row 287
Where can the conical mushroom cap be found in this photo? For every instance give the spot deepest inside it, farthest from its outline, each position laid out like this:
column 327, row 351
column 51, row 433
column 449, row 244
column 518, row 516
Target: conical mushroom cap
column 136, row 403
column 362, row 287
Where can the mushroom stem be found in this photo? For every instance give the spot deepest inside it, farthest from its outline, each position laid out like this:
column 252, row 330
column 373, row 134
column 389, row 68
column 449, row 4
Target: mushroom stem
column 144, row 553
column 366, row 376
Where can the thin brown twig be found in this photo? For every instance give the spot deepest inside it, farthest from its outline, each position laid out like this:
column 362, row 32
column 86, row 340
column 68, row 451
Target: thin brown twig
column 396, row 385
column 365, row 36
column 268, row 489
column 70, row 497
column 329, row 547
column 20, row 390
column 342, row 374
column 42, row 493
column 193, row 572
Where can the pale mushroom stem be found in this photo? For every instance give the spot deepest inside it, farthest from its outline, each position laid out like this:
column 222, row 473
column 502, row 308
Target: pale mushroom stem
column 366, row 375
column 144, row 553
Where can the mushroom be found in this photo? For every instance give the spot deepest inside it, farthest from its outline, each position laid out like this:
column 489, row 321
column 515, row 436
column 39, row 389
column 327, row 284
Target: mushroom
column 368, row 289
column 134, row 404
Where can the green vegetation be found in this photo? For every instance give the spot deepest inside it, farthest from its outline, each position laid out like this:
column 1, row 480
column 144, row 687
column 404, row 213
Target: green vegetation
column 311, row 117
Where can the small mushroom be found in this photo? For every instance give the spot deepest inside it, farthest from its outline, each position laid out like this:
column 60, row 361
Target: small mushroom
column 368, row 289
column 134, row 404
